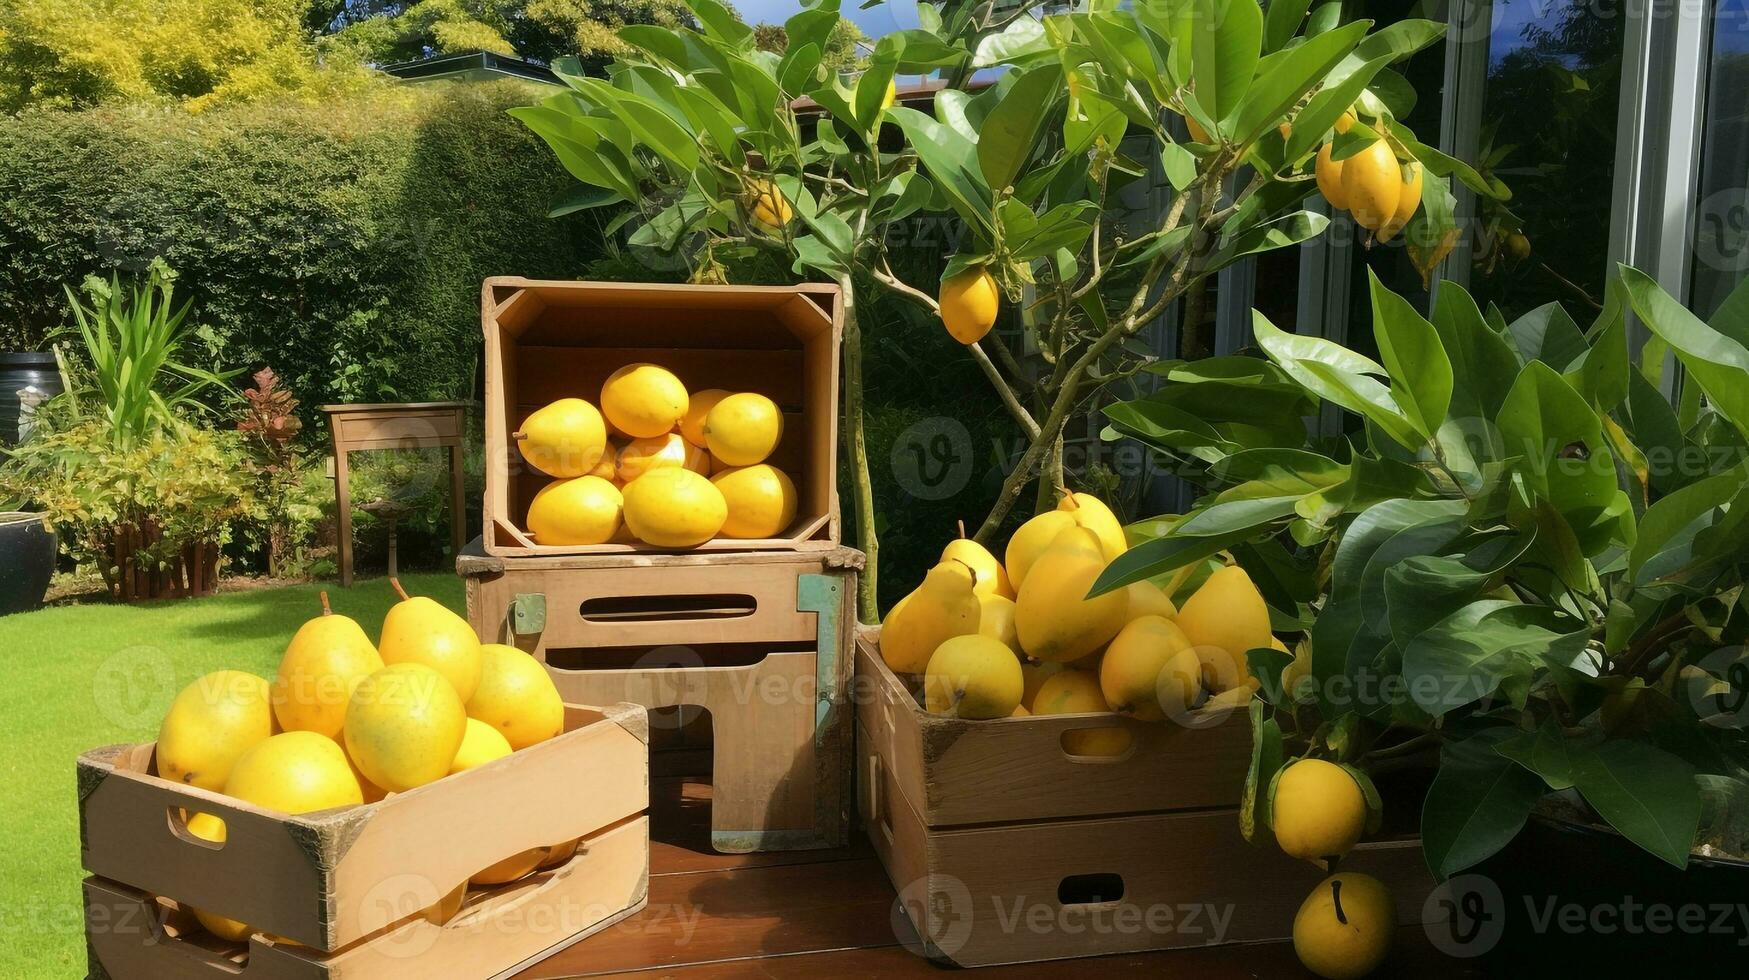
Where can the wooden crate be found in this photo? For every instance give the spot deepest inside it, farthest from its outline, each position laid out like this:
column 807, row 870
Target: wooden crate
column 132, row 934
column 548, row 340
column 332, row 879
column 1005, row 849
column 760, row 640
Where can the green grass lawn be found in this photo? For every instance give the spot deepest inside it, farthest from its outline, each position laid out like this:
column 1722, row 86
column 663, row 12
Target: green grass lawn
column 81, row 676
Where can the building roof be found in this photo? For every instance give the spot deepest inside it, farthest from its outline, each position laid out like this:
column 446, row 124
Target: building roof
column 476, row 66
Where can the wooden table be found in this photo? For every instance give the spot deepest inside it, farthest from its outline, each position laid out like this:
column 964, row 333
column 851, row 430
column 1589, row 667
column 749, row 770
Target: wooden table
column 810, row 914
column 411, row 425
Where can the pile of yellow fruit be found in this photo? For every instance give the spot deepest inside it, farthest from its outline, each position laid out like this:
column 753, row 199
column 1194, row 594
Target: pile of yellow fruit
column 345, row 723
column 684, row 468
column 1380, row 192
column 1018, row 637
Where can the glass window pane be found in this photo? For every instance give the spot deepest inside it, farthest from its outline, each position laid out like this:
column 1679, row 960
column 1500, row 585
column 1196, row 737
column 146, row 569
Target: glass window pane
column 1721, row 232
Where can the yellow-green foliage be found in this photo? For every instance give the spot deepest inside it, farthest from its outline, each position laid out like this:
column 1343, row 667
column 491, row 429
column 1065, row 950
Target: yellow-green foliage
column 198, row 53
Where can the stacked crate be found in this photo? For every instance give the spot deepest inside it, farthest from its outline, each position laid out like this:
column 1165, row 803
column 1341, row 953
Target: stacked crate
column 756, row 632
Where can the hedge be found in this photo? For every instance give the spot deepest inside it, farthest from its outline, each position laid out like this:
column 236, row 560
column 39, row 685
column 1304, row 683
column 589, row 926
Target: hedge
column 342, row 244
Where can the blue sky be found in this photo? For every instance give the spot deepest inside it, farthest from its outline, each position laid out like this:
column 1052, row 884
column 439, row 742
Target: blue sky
column 894, row 15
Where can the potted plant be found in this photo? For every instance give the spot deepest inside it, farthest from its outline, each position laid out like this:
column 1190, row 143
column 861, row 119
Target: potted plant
column 1516, row 563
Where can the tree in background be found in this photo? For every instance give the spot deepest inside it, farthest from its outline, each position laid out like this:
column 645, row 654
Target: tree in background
column 77, row 53
column 539, row 30
column 839, row 52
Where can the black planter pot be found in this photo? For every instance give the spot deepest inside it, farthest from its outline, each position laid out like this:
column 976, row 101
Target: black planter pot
column 24, row 377
column 1575, row 897
column 27, row 561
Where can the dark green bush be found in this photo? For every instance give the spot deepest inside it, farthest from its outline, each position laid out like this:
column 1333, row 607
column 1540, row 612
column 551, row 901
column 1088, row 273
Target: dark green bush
column 341, row 244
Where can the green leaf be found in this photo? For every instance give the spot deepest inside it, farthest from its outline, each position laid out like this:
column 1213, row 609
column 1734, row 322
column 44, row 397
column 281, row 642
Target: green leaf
column 1160, row 556
column 720, row 22
column 1478, row 802
column 582, row 199
column 1010, row 134
column 1022, row 39
column 1289, row 229
column 1320, row 114
column 1713, row 360
column 1266, row 759
column 871, row 87
column 1401, row 39
column 1178, row 164
column 1544, row 752
column 1564, row 456
column 1225, row 37
column 1483, row 363
column 1667, row 529
column 948, row 157
column 1466, row 656
column 1644, row 792
column 1281, row 21
column 1421, row 374
column 1289, row 77
column 1549, row 335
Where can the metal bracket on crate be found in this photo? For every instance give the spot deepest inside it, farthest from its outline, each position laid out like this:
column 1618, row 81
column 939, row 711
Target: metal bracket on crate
column 824, row 596
column 528, row 614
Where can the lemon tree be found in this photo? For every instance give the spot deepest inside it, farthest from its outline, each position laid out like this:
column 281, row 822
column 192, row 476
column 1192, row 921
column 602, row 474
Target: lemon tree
column 724, row 150
column 1516, row 563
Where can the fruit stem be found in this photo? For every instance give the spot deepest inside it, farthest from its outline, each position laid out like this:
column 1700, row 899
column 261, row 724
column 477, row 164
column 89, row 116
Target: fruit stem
column 395, row 584
column 326, row 609
column 1067, row 494
column 517, row 435
column 962, row 525
column 1336, row 900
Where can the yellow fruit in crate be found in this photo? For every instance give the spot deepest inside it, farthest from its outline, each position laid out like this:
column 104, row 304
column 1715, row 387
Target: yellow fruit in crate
column 564, row 439
column 973, row 676
column 1052, row 614
column 969, row 303
column 991, row 578
column 210, row 828
column 447, row 907
column 585, row 510
column 1408, row 202
column 943, row 607
column 761, row 499
column 372, row 792
column 1076, row 692
column 420, row 630
column 1020, row 712
column 996, row 621
column 560, row 853
column 295, row 772
column 324, row 661
column 643, row 400
column 608, row 467
column 1148, row 599
column 1030, row 541
column 697, row 407
column 743, row 428
column 516, row 697
column 404, row 726
column 1091, row 513
column 1224, row 619
column 481, row 743
column 674, row 508
column 1318, row 811
column 766, row 206
column 212, row 722
column 1035, row 675
column 511, row 868
column 1343, row 929
column 1131, row 672
column 670, row 449
column 1373, row 184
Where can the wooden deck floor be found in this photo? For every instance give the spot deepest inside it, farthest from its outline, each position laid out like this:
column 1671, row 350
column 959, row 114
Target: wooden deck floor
column 830, row 914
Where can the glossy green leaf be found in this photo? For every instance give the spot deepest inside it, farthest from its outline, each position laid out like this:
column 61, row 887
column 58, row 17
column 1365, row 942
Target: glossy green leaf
column 1713, row 360
column 1478, row 802
column 1564, row 457
column 1643, row 791
column 1009, row 136
column 1289, row 77
column 1421, row 374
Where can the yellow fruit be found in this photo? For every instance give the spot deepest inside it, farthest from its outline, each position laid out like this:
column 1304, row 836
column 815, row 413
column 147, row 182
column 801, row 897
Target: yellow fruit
column 1035, row 675
column 697, row 407
column 1224, row 620
column 1373, row 184
column 1408, row 201
column 767, row 206
column 1020, row 712
column 210, row 828
column 511, row 868
column 584, row 510
column 447, row 907
column 761, row 499
column 421, row 631
column 560, row 853
column 1178, row 689
column 973, row 676
column 743, row 428
column 1052, row 614
column 295, row 772
column 991, row 578
column 481, row 743
column 1076, row 692
column 324, row 661
column 564, row 439
column 404, row 726
column 212, row 722
column 1130, row 673
column 608, row 467
column 1329, row 173
column 996, row 621
column 372, row 792
column 891, row 96
column 1346, row 121
column 943, row 607
column 516, row 697
column 640, row 456
column 1148, row 599
column 1030, row 541
column 969, row 303
column 1343, row 929
column 643, row 400
column 674, row 508
column 1197, row 133
column 1091, row 513
column 1318, row 810
column 1518, row 245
